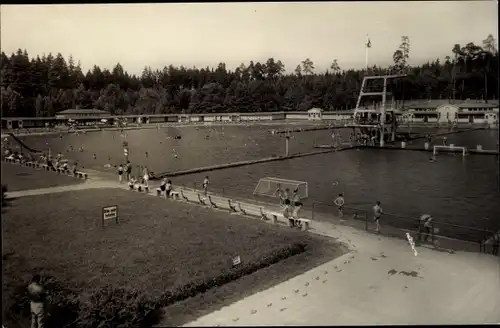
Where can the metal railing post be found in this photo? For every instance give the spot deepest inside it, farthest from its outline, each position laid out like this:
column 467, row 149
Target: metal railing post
column 312, row 211
column 432, row 232
column 366, row 220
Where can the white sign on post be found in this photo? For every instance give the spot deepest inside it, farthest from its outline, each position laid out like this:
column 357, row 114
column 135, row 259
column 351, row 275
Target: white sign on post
column 109, row 213
column 236, row 260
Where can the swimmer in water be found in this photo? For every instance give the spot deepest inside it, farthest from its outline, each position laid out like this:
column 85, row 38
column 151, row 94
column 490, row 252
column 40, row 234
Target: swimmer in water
column 80, row 149
column 432, row 159
column 146, row 153
column 94, row 156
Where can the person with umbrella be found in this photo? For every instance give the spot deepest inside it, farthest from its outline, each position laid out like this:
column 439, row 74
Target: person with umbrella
column 424, row 227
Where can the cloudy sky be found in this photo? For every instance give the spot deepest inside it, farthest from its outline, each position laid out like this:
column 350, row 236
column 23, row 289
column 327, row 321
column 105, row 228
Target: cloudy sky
column 138, row 35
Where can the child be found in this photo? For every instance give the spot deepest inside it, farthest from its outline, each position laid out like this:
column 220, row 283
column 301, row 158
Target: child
column 339, row 201
column 120, row 173
column 377, row 212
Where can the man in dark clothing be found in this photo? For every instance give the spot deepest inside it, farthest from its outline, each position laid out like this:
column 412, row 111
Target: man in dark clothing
column 36, row 294
column 424, row 227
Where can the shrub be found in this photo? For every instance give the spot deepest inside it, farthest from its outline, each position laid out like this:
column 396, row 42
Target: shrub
column 62, row 303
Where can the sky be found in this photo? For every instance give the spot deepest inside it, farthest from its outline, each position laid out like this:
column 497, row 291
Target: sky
column 204, row 34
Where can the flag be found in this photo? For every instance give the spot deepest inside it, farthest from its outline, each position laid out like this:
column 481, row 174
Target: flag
column 368, row 42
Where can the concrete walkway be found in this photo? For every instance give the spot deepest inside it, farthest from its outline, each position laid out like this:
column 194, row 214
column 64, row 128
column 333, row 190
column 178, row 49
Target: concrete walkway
column 89, row 184
column 379, row 282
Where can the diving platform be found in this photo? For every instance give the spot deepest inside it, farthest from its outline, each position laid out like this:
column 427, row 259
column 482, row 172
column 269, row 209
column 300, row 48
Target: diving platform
column 377, row 121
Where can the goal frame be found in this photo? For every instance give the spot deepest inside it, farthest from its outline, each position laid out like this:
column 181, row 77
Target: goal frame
column 284, row 181
column 450, row 148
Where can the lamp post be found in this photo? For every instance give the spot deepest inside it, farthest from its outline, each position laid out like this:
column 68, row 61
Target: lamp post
column 287, row 141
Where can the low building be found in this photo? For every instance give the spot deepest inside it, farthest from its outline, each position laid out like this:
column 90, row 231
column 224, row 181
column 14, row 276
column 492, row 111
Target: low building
column 82, row 113
column 315, row 114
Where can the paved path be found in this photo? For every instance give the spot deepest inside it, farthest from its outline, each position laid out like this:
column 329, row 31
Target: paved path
column 379, row 282
column 89, row 184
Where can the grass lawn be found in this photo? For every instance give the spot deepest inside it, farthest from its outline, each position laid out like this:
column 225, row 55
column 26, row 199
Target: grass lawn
column 18, row 177
column 158, row 246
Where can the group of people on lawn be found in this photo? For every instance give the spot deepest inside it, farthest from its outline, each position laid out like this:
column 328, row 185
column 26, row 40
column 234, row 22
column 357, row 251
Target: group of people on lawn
column 125, row 174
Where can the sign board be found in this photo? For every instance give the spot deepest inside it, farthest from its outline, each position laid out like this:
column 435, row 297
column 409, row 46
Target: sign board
column 109, row 213
column 236, row 260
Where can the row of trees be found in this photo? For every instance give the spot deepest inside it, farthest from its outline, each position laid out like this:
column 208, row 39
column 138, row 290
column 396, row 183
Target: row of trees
column 42, row 86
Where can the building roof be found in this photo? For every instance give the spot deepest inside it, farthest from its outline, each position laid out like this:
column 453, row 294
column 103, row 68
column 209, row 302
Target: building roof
column 434, row 103
column 315, row 110
column 82, row 111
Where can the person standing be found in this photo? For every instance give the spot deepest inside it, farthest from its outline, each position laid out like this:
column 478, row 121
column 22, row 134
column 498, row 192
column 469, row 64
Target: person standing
column 280, row 194
column 128, row 170
column 36, row 294
column 424, row 227
column 146, row 176
column 120, row 173
column 377, row 213
column 339, row 201
column 205, row 185
column 496, row 243
column 163, row 186
column 297, row 204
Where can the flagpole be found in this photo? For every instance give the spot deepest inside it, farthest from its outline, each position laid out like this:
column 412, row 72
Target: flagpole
column 367, row 47
column 366, row 58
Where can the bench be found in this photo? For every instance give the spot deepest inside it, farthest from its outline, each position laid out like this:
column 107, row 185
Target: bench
column 173, row 194
column 184, row 196
column 140, row 188
column 201, row 200
column 232, row 208
column 299, row 222
column 212, row 204
column 81, row 175
column 241, row 209
column 250, row 209
column 274, row 215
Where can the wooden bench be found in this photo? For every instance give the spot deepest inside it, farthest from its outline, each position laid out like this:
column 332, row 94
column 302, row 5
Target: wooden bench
column 299, row 222
column 201, row 200
column 184, row 196
column 174, row 194
column 232, row 208
column 212, row 203
column 250, row 209
column 81, row 175
column 274, row 215
column 241, row 209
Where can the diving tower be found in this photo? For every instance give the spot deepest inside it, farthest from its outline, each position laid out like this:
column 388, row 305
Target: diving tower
column 377, row 120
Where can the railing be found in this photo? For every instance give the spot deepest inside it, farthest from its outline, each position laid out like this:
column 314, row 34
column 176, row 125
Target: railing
column 392, row 224
column 439, row 234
